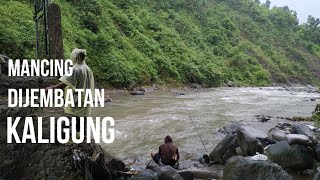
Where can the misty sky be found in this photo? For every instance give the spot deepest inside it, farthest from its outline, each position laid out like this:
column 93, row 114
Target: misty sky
column 303, row 7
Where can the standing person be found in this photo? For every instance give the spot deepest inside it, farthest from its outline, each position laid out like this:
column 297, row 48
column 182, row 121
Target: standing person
column 168, row 153
column 81, row 78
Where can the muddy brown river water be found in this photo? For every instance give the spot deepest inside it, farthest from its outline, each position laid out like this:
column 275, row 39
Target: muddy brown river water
column 143, row 121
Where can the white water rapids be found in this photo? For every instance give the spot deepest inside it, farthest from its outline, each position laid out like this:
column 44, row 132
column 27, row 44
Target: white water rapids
column 142, row 122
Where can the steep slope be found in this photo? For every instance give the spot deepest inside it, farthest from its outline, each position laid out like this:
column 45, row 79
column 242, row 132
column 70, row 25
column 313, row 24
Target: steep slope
column 210, row 42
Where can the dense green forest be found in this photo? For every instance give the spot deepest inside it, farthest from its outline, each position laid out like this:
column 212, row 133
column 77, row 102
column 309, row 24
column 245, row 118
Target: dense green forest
column 209, row 42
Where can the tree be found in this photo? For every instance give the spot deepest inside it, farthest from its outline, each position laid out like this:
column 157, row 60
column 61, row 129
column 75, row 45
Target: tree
column 267, row 4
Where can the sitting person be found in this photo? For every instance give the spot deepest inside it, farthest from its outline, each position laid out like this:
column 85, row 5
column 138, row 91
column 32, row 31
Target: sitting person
column 168, row 154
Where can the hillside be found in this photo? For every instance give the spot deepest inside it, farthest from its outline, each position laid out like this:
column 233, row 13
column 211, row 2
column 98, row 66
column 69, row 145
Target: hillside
column 209, row 42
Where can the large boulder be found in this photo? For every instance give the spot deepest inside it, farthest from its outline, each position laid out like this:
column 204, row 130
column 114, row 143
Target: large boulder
column 298, row 157
column 165, row 172
column 277, row 134
column 225, row 149
column 55, row 161
column 231, row 128
column 303, row 129
column 239, row 167
column 298, row 139
column 248, row 140
column 145, row 174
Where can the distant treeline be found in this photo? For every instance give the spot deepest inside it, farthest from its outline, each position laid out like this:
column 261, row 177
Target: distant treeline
column 209, row 42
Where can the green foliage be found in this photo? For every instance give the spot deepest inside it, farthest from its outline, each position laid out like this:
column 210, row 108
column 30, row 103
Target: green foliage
column 137, row 42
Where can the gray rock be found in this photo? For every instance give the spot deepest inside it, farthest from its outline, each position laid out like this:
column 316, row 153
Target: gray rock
column 135, row 93
column 186, row 175
column 248, row 142
column 200, row 174
column 316, row 152
column 239, row 167
column 297, row 139
column 303, row 129
column 231, row 128
column 166, row 173
column 295, row 156
column 145, row 174
column 225, row 149
column 277, row 134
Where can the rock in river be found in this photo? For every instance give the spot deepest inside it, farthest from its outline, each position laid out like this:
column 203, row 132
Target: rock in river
column 303, row 129
column 239, row 167
column 165, row 172
column 298, row 157
column 225, row 149
column 248, row 142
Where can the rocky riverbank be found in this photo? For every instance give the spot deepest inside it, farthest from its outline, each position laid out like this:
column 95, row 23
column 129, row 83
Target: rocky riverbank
column 286, row 151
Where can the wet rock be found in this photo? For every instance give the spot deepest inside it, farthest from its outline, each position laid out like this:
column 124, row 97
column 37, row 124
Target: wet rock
column 231, row 128
column 225, row 149
column 239, row 167
column 186, row 175
column 295, row 156
column 266, row 141
column 303, row 129
column 200, row 174
column 263, row 118
column 137, row 93
column 277, row 134
column 108, row 100
column 145, row 174
column 297, row 139
column 316, row 151
column 44, row 161
column 248, row 142
column 152, row 165
column 166, row 173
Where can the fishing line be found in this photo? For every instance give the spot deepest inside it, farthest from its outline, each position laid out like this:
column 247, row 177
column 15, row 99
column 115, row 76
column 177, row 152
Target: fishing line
column 185, row 107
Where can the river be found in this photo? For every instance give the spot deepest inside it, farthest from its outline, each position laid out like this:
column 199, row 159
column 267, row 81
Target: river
column 142, row 122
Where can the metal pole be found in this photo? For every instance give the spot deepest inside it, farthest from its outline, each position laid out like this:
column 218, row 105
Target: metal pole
column 45, row 11
column 36, row 27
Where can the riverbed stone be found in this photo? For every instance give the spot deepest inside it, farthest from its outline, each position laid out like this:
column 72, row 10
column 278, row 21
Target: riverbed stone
column 298, row 139
column 225, row 149
column 239, row 167
column 298, row 157
column 303, row 129
column 248, row 142
column 277, row 134
column 145, row 174
column 186, row 175
column 230, row 128
column 136, row 93
column 166, row 173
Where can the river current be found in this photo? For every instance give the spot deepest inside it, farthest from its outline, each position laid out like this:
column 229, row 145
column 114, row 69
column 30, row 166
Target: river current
column 142, row 122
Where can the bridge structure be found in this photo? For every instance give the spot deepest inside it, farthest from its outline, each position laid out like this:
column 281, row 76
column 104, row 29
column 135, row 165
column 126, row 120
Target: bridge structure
column 48, row 29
